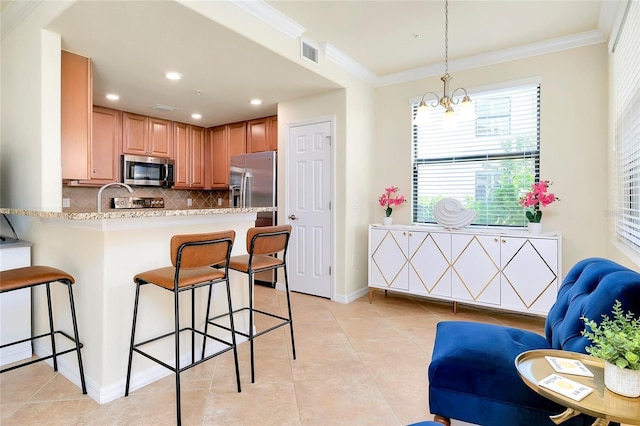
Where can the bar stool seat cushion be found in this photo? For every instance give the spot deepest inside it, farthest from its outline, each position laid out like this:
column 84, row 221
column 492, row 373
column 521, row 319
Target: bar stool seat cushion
column 164, row 277
column 14, row 279
column 241, row 262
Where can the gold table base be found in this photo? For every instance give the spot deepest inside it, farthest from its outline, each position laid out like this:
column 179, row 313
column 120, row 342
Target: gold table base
column 569, row 413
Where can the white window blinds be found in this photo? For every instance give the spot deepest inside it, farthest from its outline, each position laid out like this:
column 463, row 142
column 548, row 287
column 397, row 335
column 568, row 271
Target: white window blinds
column 626, row 98
column 486, row 162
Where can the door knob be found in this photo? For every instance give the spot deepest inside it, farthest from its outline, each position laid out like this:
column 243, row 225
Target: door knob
column 293, row 217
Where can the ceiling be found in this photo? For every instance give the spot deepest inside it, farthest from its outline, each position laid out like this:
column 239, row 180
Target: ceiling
column 133, row 43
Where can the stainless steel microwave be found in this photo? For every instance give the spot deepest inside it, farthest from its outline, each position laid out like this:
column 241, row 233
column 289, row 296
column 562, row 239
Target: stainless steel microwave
column 147, row 171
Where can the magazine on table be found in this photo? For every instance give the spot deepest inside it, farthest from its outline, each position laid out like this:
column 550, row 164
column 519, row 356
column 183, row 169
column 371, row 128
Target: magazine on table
column 569, row 388
column 568, row 366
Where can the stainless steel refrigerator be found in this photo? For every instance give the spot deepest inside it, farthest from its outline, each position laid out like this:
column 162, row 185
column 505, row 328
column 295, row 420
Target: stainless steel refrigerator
column 253, row 184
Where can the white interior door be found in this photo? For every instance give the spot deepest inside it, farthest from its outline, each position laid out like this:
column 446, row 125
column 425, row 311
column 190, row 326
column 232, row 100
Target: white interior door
column 309, row 208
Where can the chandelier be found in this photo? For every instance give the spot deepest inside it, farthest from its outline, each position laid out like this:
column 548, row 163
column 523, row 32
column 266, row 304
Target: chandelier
column 446, row 101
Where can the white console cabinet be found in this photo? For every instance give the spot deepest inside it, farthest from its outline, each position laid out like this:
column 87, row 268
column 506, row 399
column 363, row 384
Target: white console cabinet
column 511, row 270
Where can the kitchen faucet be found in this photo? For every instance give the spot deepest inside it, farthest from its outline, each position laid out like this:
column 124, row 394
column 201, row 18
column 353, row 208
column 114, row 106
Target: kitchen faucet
column 102, row 188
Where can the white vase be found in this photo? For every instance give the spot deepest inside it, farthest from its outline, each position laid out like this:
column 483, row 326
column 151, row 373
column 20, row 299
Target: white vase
column 534, row 228
column 387, row 220
column 622, row 381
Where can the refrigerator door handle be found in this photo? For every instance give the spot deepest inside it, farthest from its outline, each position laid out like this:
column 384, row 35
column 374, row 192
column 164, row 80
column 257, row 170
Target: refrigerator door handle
column 243, row 188
column 246, row 189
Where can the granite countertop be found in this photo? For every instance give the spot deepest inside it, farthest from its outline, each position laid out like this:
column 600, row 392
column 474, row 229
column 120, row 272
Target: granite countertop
column 135, row 213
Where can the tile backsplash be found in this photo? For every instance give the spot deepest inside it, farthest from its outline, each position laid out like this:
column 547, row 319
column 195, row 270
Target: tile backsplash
column 85, row 199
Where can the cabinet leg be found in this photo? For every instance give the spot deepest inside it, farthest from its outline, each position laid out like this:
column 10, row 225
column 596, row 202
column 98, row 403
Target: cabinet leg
column 455, row 307
column 370, row 294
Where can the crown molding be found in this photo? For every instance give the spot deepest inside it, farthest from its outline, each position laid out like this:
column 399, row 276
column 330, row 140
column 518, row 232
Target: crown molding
column 14, row 13
column 345, row 62
column 586, row 38
column 278, row 21
column 272, row 16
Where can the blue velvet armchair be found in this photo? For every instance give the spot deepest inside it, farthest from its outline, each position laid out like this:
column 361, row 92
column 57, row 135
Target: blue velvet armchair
column 472, row 376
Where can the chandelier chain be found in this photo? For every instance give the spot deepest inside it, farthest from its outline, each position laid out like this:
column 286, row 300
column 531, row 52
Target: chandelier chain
column 446, row 37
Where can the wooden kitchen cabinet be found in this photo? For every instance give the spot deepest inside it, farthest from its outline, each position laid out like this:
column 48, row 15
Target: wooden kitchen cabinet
column 104, row 164
column 142, row 135
column 272, row 135
column 75, row 115
column 218, row 158
column 262, row 134
column 224, row 141
column 237, row 134
column 189, row 150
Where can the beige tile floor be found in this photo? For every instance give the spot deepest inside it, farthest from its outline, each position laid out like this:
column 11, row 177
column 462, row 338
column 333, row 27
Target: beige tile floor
column 357, row 364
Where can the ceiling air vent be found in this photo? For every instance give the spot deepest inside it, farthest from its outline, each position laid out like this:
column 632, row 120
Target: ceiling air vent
column 164, row 107
column 309, row 50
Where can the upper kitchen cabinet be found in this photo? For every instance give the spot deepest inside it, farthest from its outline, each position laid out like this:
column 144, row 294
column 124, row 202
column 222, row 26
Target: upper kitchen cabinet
column 225, row 141
column 189, row 157
column 272, row 135
column 262, row 134
column 144, row 135
column 106, row 143
column 75, row 115
column 237, row 135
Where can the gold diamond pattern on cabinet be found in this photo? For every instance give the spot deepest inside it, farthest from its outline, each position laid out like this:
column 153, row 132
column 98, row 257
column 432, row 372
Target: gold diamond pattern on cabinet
column 389, row 258
column 430, row 265
column 477, row 271
column 528, row 274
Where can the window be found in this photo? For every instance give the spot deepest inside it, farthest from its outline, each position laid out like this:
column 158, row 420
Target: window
column 487, row 162
column 626, row 95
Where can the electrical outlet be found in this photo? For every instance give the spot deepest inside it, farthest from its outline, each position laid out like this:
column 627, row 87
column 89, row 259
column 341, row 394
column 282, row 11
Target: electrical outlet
column 219, row 201
column 66, row 202
column 189, row 202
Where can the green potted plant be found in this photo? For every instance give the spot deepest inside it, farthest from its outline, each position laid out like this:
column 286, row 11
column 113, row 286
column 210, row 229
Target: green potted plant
column 617, row 342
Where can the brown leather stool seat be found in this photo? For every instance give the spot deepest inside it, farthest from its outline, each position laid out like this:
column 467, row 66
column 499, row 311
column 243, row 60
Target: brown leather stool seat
column 32, row 276
column 263, row 244
column 193, row 258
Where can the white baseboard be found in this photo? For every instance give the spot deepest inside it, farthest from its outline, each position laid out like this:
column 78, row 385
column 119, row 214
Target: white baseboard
column 15, row 353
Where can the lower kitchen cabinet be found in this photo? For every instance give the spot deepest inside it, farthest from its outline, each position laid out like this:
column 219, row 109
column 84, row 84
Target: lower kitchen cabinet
column 514, row 270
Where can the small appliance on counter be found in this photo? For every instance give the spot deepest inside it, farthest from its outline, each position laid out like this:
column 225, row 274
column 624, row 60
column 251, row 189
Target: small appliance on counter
column 137, row 203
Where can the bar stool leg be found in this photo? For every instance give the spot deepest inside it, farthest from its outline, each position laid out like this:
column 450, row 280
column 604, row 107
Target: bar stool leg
column 251, row 333
column 133, row 335
column 286, row 284
column 206, row 322
column 51, row 330
column 176, row 311
column 77, row 338
column 233, row 333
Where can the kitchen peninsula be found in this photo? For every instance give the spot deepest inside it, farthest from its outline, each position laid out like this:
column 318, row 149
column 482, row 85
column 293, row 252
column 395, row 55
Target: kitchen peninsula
column 103, row 252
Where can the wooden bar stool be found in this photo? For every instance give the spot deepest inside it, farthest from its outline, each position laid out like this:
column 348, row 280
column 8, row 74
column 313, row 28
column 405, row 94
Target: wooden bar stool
column 32, row 276
column 263, row 244
column 193, row 257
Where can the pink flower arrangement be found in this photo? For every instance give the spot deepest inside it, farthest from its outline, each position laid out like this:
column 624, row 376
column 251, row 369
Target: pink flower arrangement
column 390, row 199
column 537, row 198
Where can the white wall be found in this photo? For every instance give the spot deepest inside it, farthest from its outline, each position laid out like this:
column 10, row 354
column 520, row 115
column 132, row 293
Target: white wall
column 574, row 140
column 30, row 173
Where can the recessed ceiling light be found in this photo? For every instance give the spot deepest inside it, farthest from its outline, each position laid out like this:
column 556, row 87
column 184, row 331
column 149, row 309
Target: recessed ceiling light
column 255, row 101
column 172, row 75
column 112, row 96
column 196, row 116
